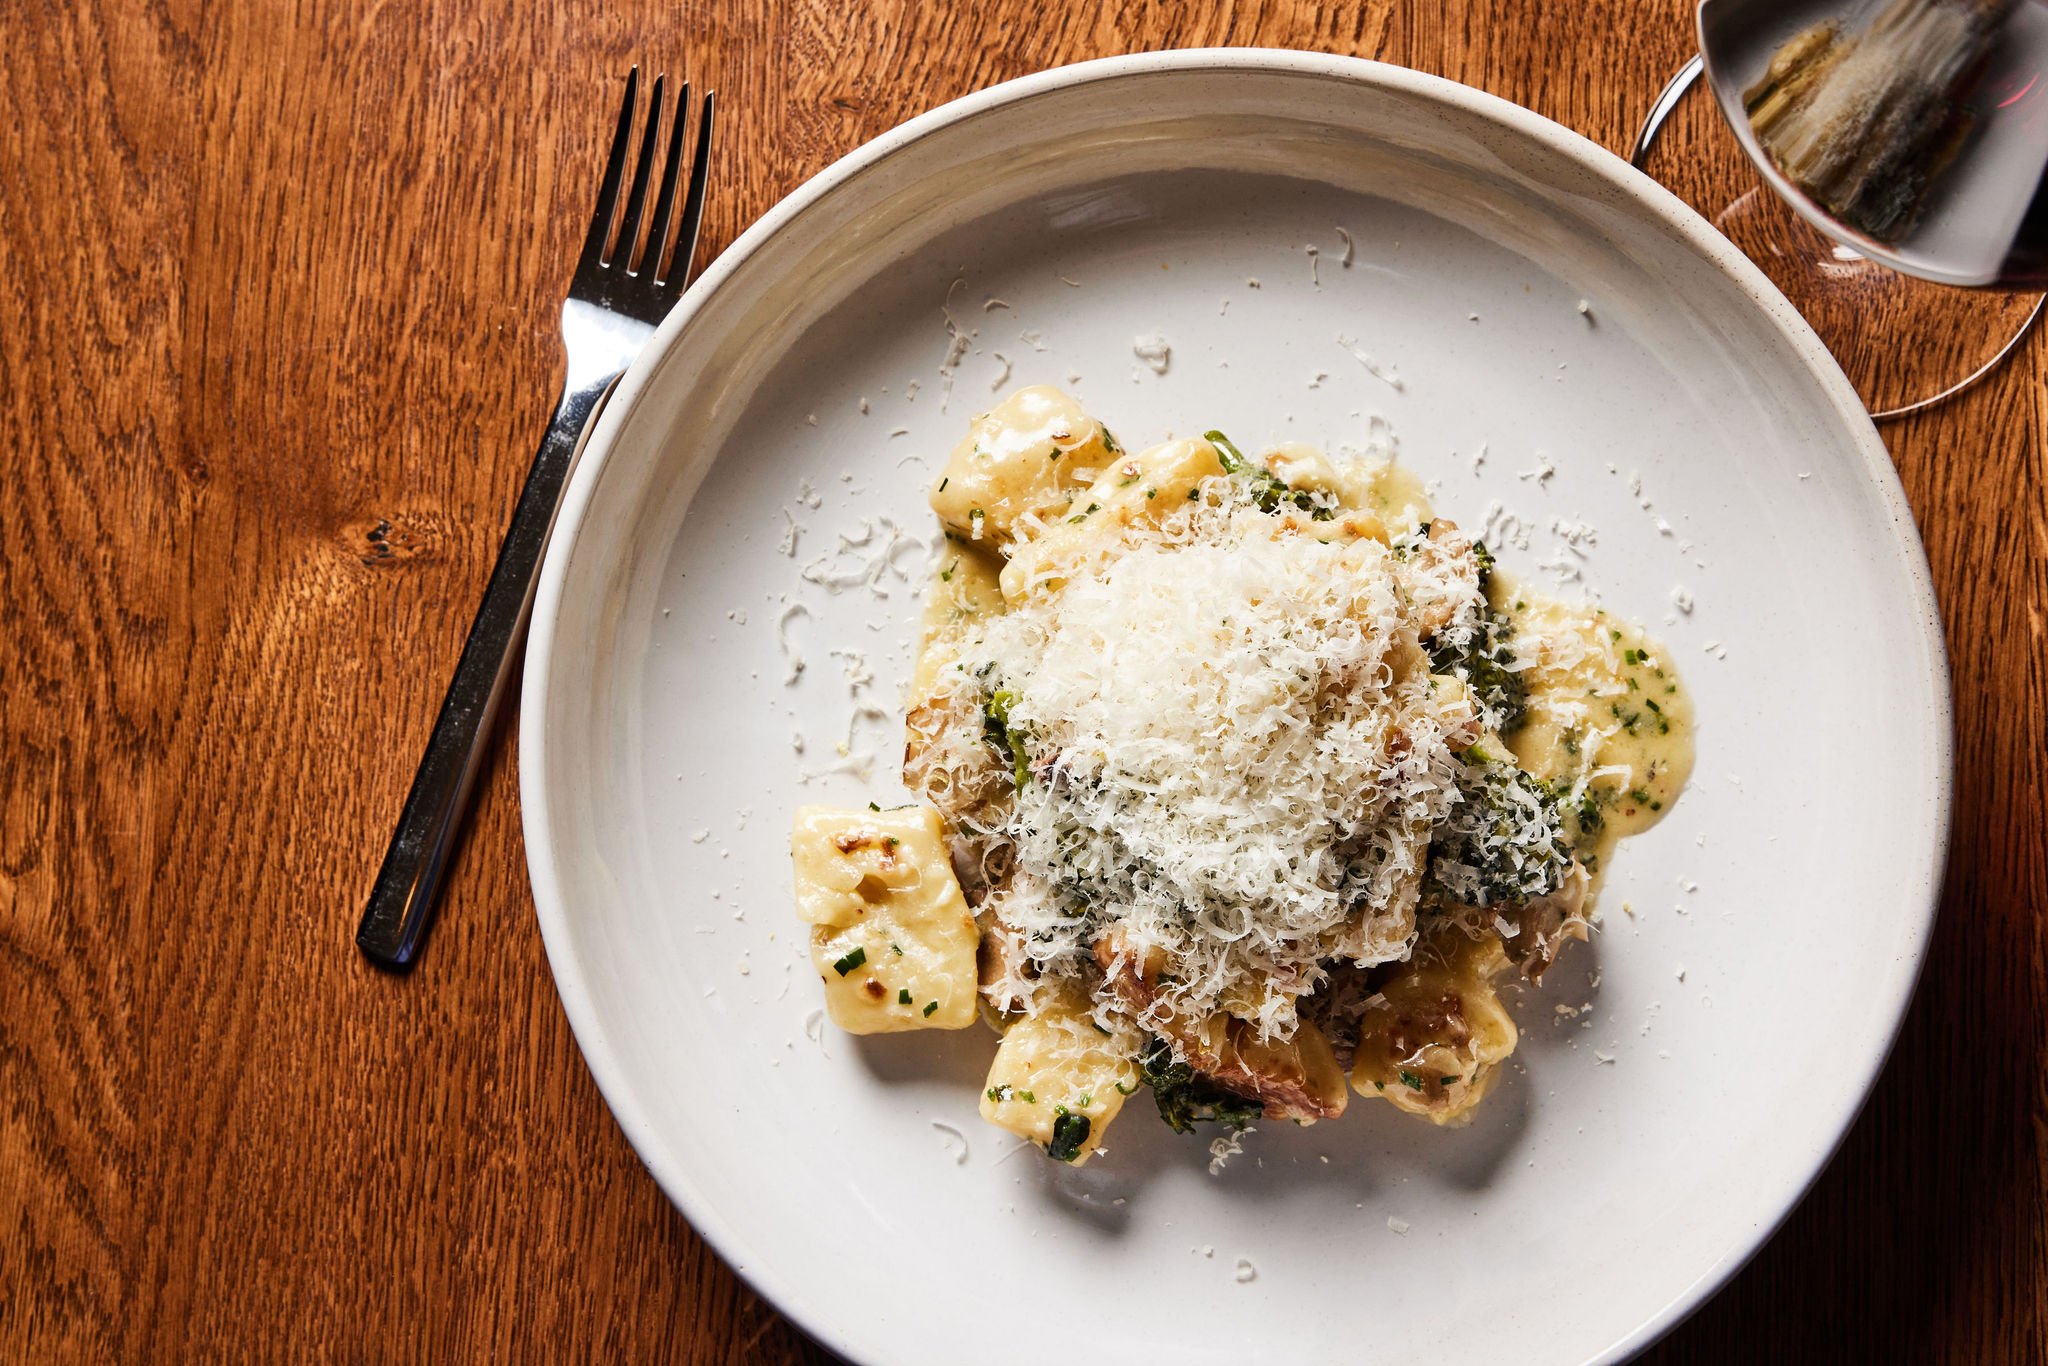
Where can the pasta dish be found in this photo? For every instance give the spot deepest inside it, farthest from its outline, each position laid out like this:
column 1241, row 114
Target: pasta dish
column 1244, row 781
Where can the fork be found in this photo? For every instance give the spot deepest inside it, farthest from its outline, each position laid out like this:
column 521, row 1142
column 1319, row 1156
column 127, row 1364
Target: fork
column 621, row 290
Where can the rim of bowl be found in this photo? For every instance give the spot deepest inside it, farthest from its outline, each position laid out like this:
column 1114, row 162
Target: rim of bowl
column 551, row 906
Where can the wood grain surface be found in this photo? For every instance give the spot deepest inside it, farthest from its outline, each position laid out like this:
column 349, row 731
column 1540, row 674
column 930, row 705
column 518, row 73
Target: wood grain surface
column 278, row 281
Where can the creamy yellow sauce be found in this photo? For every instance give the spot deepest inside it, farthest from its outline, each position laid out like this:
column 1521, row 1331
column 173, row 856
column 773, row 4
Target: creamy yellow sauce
column 1605, row 703
column 1390, row 495
column 1394, row 494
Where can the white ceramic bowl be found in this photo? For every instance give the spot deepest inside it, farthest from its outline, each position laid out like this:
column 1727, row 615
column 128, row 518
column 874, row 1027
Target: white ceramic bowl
column 1759, row 946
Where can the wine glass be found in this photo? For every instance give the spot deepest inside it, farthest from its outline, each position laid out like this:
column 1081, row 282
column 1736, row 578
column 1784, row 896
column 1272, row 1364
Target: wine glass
column 1886, row 172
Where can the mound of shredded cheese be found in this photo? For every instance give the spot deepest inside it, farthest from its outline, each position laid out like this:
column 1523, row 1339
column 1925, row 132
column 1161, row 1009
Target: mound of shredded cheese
column 1238, row 756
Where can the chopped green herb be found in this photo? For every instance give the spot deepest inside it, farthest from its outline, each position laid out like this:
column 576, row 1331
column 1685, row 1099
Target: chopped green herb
column 999, row 1094
column 1184, row 1099
column 1069, row 1132
column 946, row 574
column 850, row 961
column 903, row 997
column 930, row 1006
column 997, row 731
column 1268, row 490
column 1631, row 721
column 1483, row 656
column 944, row 482
column 896, row 949
column 1586, row 811
column 1231, row 458
column 1027, row 1097
column 1411, row 1081
column 1151, row 493
column 873, row 807
column 1490, row 851
column 1483, row 558
column 1109, row 441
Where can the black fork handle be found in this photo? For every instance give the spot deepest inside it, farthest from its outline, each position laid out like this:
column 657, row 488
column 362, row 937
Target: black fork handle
column 401, row 905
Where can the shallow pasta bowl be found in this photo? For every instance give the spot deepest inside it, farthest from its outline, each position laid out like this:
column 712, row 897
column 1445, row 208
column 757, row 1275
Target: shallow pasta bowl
column 1285, row 246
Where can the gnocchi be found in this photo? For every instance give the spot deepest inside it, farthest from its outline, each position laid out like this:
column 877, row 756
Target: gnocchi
column 1019, row 463
column 1433, row 1042
column 1058, row 1081
column 891, row 936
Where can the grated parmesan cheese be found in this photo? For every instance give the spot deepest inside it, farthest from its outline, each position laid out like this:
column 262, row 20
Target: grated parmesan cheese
column 1152, row 349
column 792, row 658
column 1382, row 373
column 1244, row 784
column 1221, row 1150
column 949, row 1132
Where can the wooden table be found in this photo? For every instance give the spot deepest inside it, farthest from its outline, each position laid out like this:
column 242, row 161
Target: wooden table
column 280, row 279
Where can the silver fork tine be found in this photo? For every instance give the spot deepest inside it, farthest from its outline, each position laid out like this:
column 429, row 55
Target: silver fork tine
column 693, row 207
column 624, row 250
column 608, row 192
column 665, row 206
